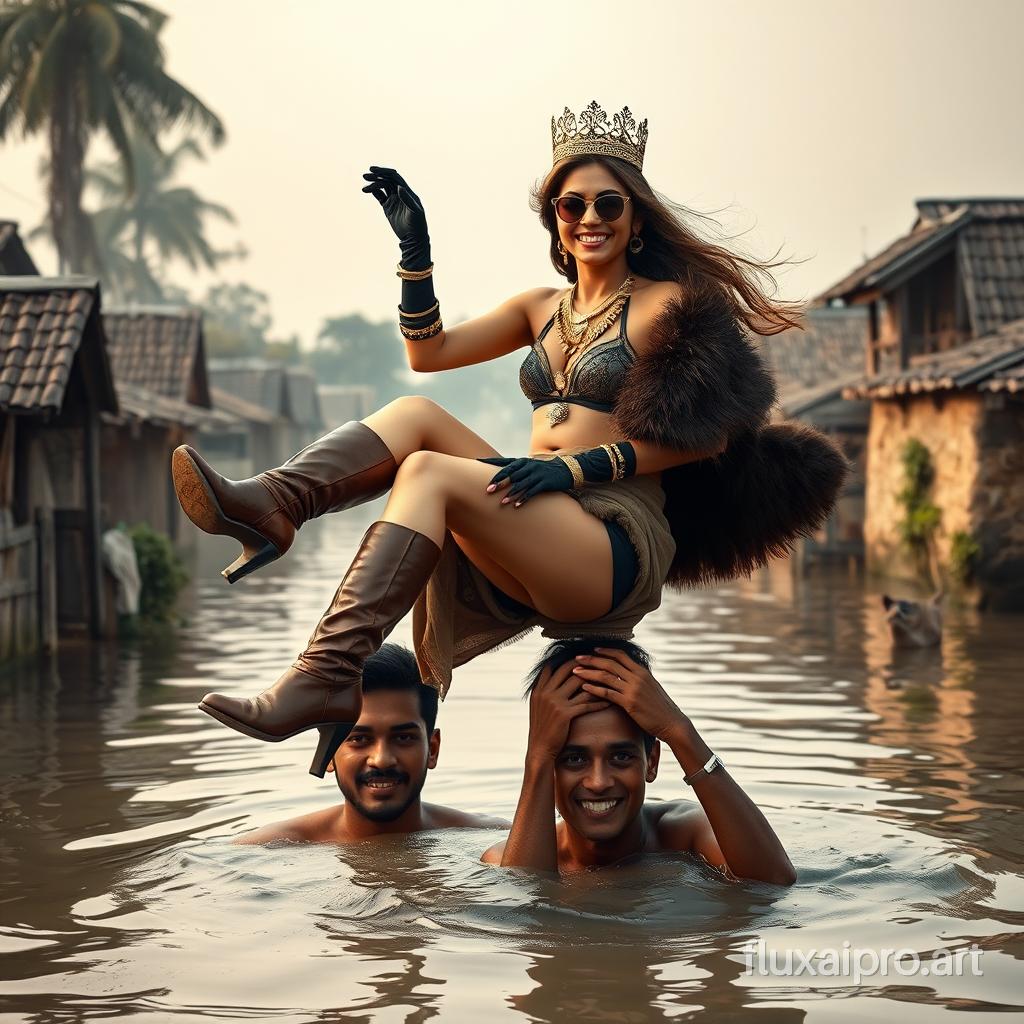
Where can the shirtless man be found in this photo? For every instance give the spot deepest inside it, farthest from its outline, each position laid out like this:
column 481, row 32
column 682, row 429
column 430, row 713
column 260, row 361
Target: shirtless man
column 382, row 764
column 598, row 719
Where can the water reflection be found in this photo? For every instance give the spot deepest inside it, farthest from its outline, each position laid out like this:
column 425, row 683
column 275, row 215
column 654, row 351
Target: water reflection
column 893, row 778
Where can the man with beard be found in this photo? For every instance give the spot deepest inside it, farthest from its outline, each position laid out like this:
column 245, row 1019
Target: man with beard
column 380, row 767
column 598, row 719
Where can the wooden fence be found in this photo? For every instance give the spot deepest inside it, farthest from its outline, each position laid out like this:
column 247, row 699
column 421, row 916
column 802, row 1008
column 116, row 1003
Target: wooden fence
column 28, row 597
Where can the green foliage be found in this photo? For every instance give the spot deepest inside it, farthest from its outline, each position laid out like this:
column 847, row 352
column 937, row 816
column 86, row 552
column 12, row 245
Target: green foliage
column 109, row 51
column 920, row 517
column 963, row 555
column 236, row 320
column 161, row 571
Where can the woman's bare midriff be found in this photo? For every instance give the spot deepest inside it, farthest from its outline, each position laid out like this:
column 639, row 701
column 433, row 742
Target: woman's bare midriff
column 585, row 428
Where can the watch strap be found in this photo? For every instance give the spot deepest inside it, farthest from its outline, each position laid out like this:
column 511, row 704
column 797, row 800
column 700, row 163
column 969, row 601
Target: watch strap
column 713, row 762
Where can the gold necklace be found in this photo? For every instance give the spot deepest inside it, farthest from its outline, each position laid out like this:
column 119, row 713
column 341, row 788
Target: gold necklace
column 609, row 310
column 574, row 333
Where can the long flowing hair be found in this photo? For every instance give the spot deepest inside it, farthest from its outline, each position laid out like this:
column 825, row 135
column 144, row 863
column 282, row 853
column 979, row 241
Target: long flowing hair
column 673, row 251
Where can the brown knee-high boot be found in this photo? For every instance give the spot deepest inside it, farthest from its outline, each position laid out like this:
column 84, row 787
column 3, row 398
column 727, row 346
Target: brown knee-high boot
column 390, row 569
column 346, row 467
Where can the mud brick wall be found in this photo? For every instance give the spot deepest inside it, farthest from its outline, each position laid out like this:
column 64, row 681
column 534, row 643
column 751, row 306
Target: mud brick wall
column 977, row 445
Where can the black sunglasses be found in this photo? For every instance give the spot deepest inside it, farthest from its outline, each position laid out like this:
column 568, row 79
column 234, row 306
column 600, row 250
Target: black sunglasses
column 572, row 208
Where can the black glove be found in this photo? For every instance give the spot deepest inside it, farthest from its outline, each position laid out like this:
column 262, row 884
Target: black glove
column 528, row 477
column 404, row 212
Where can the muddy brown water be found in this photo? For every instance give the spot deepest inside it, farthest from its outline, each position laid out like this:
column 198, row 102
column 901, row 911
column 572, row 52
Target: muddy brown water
column 894, row 783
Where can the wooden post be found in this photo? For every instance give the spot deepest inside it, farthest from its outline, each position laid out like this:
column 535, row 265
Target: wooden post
column 93, row 551
column 872, row 361
column 46, row 577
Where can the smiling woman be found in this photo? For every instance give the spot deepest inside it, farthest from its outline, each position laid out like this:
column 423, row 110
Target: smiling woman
column 651, row 456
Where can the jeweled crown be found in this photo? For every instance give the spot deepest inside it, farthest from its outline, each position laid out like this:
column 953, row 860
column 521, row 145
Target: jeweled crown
column 593, row 133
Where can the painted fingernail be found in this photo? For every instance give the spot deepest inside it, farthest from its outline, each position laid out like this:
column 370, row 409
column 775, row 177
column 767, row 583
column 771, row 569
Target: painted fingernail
column 518, row 503
column 491, row 487
column 583, row 657
column 504, row 501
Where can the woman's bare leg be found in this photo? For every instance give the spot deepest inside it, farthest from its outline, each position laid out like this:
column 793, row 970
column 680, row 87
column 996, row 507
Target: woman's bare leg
column 558, row 553
column 414, row 423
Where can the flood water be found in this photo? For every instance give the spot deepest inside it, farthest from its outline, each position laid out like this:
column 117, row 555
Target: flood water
column 894, row 784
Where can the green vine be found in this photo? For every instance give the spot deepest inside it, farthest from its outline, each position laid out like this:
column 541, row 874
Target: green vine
column 920, row 517
column 963, row 556
column 161, row 571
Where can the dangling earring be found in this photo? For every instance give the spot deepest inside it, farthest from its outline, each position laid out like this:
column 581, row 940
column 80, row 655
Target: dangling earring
column 636, row 243
column 565, row 255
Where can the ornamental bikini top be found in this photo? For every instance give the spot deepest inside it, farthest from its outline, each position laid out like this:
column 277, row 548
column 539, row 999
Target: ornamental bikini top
column 594, row 381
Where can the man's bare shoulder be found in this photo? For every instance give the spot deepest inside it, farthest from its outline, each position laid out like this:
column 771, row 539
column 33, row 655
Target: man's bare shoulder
column 307, row 828
column 676, row 823
column 493, row 854
column 449, row 817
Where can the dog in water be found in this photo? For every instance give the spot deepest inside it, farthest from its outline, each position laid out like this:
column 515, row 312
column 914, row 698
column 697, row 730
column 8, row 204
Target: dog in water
column 914, row 623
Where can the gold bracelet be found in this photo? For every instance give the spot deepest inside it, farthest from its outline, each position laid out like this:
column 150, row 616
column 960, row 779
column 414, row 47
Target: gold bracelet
column 612, row 459
column 578, row 480
column 414, row 275
column 420, row 333
column 402, row 312
column 621, row 474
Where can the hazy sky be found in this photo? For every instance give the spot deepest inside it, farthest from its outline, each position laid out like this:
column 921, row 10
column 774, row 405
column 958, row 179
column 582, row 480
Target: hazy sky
column 815, row 124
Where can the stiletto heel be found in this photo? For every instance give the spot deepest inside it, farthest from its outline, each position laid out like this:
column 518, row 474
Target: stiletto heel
column 346, row 467
column 331, row 737
column 248, row 561
column 322, row 688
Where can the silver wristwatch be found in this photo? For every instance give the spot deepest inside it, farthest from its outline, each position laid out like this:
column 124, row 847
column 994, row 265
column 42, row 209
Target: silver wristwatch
column 713, row 762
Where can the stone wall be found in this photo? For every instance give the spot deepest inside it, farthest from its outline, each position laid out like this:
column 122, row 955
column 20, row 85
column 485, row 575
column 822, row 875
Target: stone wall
column 977, row 445
column 948, row 425
column 998, row 509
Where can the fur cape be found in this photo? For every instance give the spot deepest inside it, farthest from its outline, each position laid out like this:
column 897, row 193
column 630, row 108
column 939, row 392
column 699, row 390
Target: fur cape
column 700, row 385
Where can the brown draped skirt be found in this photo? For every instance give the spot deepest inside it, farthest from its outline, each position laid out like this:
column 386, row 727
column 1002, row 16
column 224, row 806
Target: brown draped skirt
column 457, row 616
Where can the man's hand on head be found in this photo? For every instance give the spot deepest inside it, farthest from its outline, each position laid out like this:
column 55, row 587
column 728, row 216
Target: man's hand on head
column 612, row 675
column 555, row 702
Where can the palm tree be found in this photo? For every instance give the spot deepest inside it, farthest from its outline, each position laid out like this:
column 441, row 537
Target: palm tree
column 158, row 216
column 72, row 68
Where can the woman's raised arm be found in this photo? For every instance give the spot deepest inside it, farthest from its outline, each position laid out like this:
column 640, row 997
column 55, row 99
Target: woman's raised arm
column 494, row 334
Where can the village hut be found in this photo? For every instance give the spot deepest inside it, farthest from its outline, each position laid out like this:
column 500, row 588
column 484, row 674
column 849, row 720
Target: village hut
column 55, row 382
column 158, row 360
column 340, row 403
column 811, row 368
column 263, row 383
column 944, row 359
column 246, row 444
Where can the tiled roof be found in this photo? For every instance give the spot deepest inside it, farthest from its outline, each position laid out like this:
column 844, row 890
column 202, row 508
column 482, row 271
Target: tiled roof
column 240, row 408
column 811, row 366
column 923, row 235
column 982, row 363
column 14, row 259
column 989, row 235
column 46, row 324
column 992, row 257
column 144, row 406
column 255, row 380
column 159, row 348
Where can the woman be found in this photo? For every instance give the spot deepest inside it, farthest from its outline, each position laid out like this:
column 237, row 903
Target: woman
column 652, row 460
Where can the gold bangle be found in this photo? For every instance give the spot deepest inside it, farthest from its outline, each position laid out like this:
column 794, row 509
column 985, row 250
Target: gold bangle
column 621, row 473
column 414, row 275
column 418, row 334
column 612, row 459
column 422, row 312
column 578, row 479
